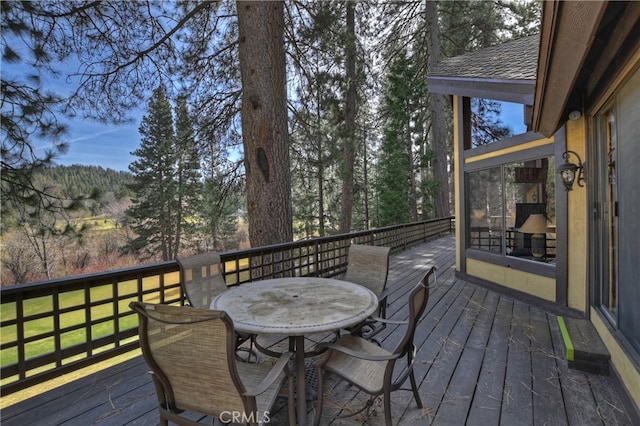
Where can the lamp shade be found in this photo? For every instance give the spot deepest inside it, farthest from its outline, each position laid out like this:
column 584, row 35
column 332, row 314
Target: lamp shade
column 535, row 224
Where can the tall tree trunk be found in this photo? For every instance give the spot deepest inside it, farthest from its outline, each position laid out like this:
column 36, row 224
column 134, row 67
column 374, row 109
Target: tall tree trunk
column 264, row 121
column 365, row 169
column 413, row 192
column 438, row 118
column 320, row 170
column 350, row 123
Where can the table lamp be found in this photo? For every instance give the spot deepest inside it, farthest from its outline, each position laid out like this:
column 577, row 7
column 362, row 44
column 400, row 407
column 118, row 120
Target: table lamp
column 536, row 224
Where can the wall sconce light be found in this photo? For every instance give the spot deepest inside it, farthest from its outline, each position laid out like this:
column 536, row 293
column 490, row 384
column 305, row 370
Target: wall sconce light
column 570, row 172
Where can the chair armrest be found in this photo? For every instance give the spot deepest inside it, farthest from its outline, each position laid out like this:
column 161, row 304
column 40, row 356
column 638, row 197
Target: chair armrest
column 383, row 296
column 276, row 370
column 355, row 354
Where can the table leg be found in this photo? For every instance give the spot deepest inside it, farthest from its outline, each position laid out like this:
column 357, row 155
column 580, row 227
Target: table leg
column 301, row 397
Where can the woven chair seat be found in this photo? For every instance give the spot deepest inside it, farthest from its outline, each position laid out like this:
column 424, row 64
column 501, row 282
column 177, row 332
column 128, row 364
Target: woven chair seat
column 368, row 374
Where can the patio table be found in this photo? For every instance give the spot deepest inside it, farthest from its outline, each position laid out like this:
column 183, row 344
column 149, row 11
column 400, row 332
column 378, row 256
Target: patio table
column 296, row 307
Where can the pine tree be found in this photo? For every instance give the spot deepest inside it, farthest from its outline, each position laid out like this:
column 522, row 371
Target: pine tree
column 155, row 207
column 404, row 111
column 188, row 184
column 265, row 133
column 317, row 112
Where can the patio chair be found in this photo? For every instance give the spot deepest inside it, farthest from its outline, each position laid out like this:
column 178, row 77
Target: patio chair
column 372, row 368
column 202, row 280
column 191, row 356
column 369, row 267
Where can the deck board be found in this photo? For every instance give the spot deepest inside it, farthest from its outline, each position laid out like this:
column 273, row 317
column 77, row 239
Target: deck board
column 517, row 403
column 483, row 358
column 487, row 396
column 547, row 395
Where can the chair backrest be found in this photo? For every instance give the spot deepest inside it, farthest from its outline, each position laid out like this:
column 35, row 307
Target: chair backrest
column 201, row 278
column 191, row 353
column 368, row 266
column 418, row 298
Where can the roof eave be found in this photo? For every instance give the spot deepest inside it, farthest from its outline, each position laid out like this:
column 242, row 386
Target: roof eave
column 568, row 31
column 507, row 90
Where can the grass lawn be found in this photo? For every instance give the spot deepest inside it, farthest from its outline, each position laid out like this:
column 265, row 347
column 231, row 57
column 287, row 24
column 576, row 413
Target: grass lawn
column 102, row 307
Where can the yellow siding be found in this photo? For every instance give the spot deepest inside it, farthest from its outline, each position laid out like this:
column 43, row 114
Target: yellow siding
column 578, row 223
column 535, row 285
column 626, row 369
column 456, row 167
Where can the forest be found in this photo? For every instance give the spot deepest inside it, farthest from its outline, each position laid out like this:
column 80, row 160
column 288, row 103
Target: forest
column 266, row 121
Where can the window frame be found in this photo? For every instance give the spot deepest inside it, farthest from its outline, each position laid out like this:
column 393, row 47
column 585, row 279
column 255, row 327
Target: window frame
column 480, row 158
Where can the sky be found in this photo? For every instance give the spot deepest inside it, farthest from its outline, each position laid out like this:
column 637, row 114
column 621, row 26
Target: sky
column 89, row 142
column 109, row 146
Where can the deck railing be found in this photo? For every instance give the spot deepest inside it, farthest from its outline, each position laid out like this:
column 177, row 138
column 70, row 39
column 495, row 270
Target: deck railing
column 54, row 327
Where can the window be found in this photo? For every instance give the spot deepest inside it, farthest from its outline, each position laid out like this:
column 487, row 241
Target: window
column 501, row 199
column 492, row 121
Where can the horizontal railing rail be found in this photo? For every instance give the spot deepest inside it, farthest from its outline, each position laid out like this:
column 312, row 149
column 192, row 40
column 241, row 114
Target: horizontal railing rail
column 54, row 327
column 324, row 256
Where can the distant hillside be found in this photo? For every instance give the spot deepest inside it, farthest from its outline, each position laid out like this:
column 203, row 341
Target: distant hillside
column 78, row 180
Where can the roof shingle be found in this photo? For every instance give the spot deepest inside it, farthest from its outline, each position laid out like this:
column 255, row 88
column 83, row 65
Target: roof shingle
column 512, row 60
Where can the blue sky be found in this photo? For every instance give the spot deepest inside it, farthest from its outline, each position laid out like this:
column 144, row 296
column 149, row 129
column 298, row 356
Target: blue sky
column 109, row 146
column 90, row 142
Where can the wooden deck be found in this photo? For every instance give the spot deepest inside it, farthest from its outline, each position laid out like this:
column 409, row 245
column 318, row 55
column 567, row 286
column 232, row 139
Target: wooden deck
column 484, row 359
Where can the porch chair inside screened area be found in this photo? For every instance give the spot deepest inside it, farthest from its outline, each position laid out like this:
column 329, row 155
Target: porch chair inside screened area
column 369, row 267
column 202, row 280
column 371, row 368
column 191, row 354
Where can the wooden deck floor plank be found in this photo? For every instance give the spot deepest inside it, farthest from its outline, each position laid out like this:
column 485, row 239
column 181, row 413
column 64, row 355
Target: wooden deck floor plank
column 71, row 400
column 80, row 386
column 487, row 398
column 517, row 403
column 609, row 405
column 455, row 407
column 442, row 349
column 116, row 410
column 548, row 407
column 341, row 400
column 399, row 311
column 400, row 283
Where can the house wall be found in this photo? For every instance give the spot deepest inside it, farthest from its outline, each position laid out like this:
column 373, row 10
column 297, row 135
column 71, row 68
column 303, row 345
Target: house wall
column 533, row 284
column 577, row 223
column 457, row 165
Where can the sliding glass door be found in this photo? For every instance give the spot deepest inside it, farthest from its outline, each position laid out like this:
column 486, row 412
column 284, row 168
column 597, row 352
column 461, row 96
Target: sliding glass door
column 615, row 191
